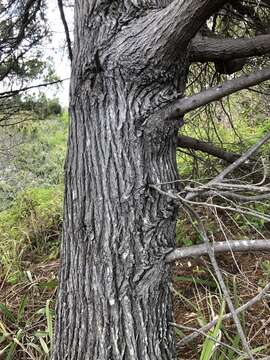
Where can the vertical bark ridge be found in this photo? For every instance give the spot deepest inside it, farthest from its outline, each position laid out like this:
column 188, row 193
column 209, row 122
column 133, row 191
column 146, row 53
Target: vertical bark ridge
column 116, row 238
column 114, row 300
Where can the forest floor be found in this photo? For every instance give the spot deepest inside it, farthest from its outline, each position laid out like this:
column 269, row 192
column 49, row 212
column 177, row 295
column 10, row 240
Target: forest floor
column 196, row 302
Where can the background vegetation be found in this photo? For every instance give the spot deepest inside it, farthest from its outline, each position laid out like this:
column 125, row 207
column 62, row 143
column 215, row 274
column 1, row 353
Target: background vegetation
column 31, row 192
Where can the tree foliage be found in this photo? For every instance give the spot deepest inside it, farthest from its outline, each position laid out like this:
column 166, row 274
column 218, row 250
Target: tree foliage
column 22, row 28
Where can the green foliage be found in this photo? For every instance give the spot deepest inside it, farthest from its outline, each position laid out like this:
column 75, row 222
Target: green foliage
column 265, row 265
column 31, row 190
column 24, row 332
column 34, row 157
column 233, row 131
column 185, row 236
column 31, row 227
column 41, row 106
column 210, row 343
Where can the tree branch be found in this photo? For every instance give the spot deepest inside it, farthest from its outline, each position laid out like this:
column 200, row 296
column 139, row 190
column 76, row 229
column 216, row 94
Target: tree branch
column 10, row 93
column 188, row 142
column 64, row 21
column 218, row 247
column 162, row 34
column 227, row 195
column 212, row 323
column 204, row 49
column 243, row 158
column 210, row 251
column 200, row 332
column 184, row 105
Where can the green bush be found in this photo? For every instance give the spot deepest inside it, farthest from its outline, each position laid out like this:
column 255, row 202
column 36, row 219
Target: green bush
column 41, row 106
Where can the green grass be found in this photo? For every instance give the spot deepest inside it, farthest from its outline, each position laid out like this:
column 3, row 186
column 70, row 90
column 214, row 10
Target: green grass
column 31, row 227
column 23, row 332
column 36, row 160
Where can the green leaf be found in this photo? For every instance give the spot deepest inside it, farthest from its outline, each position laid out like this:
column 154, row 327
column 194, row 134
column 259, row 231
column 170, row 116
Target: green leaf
column 44, row 346
column 8, row 313
column 49, row 320
column 21, row 310
column 11, row 351
column 41, row 334
column 210, row 344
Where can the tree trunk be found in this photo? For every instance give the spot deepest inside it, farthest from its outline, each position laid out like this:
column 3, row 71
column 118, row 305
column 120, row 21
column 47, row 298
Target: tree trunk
column 128, row 78
column 114, row 299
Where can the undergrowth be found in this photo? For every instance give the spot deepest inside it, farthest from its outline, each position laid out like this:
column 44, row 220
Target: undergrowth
column 30, row 229
column 31, row 194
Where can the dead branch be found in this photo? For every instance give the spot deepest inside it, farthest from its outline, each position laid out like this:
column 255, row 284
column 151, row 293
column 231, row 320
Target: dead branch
column 218, row 247
column 10, row 93
column 210, row 251
column 64, row 21
column 200, row 332
column 231, row 195
column 240, row 210
column 211, row 254
column 212, row 323
column 218, row 179
column 242, row 159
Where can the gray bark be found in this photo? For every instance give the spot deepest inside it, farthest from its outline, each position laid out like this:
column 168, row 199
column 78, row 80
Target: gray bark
column 114, row 300
column 206, row 49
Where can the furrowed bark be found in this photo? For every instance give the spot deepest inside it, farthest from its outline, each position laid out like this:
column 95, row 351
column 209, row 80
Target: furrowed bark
column 165, row 34
column 114, row 299
column 205, row 49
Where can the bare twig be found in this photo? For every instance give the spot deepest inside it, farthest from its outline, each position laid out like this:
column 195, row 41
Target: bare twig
column 222, row 284
column 64, row 21
column 242, row 159
column 211, row 254
column 231, row 195
column 212, row 323
column 240, row 210
column 229, row 186
column 231, row 167
column 200, row 332
column 10, row 93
